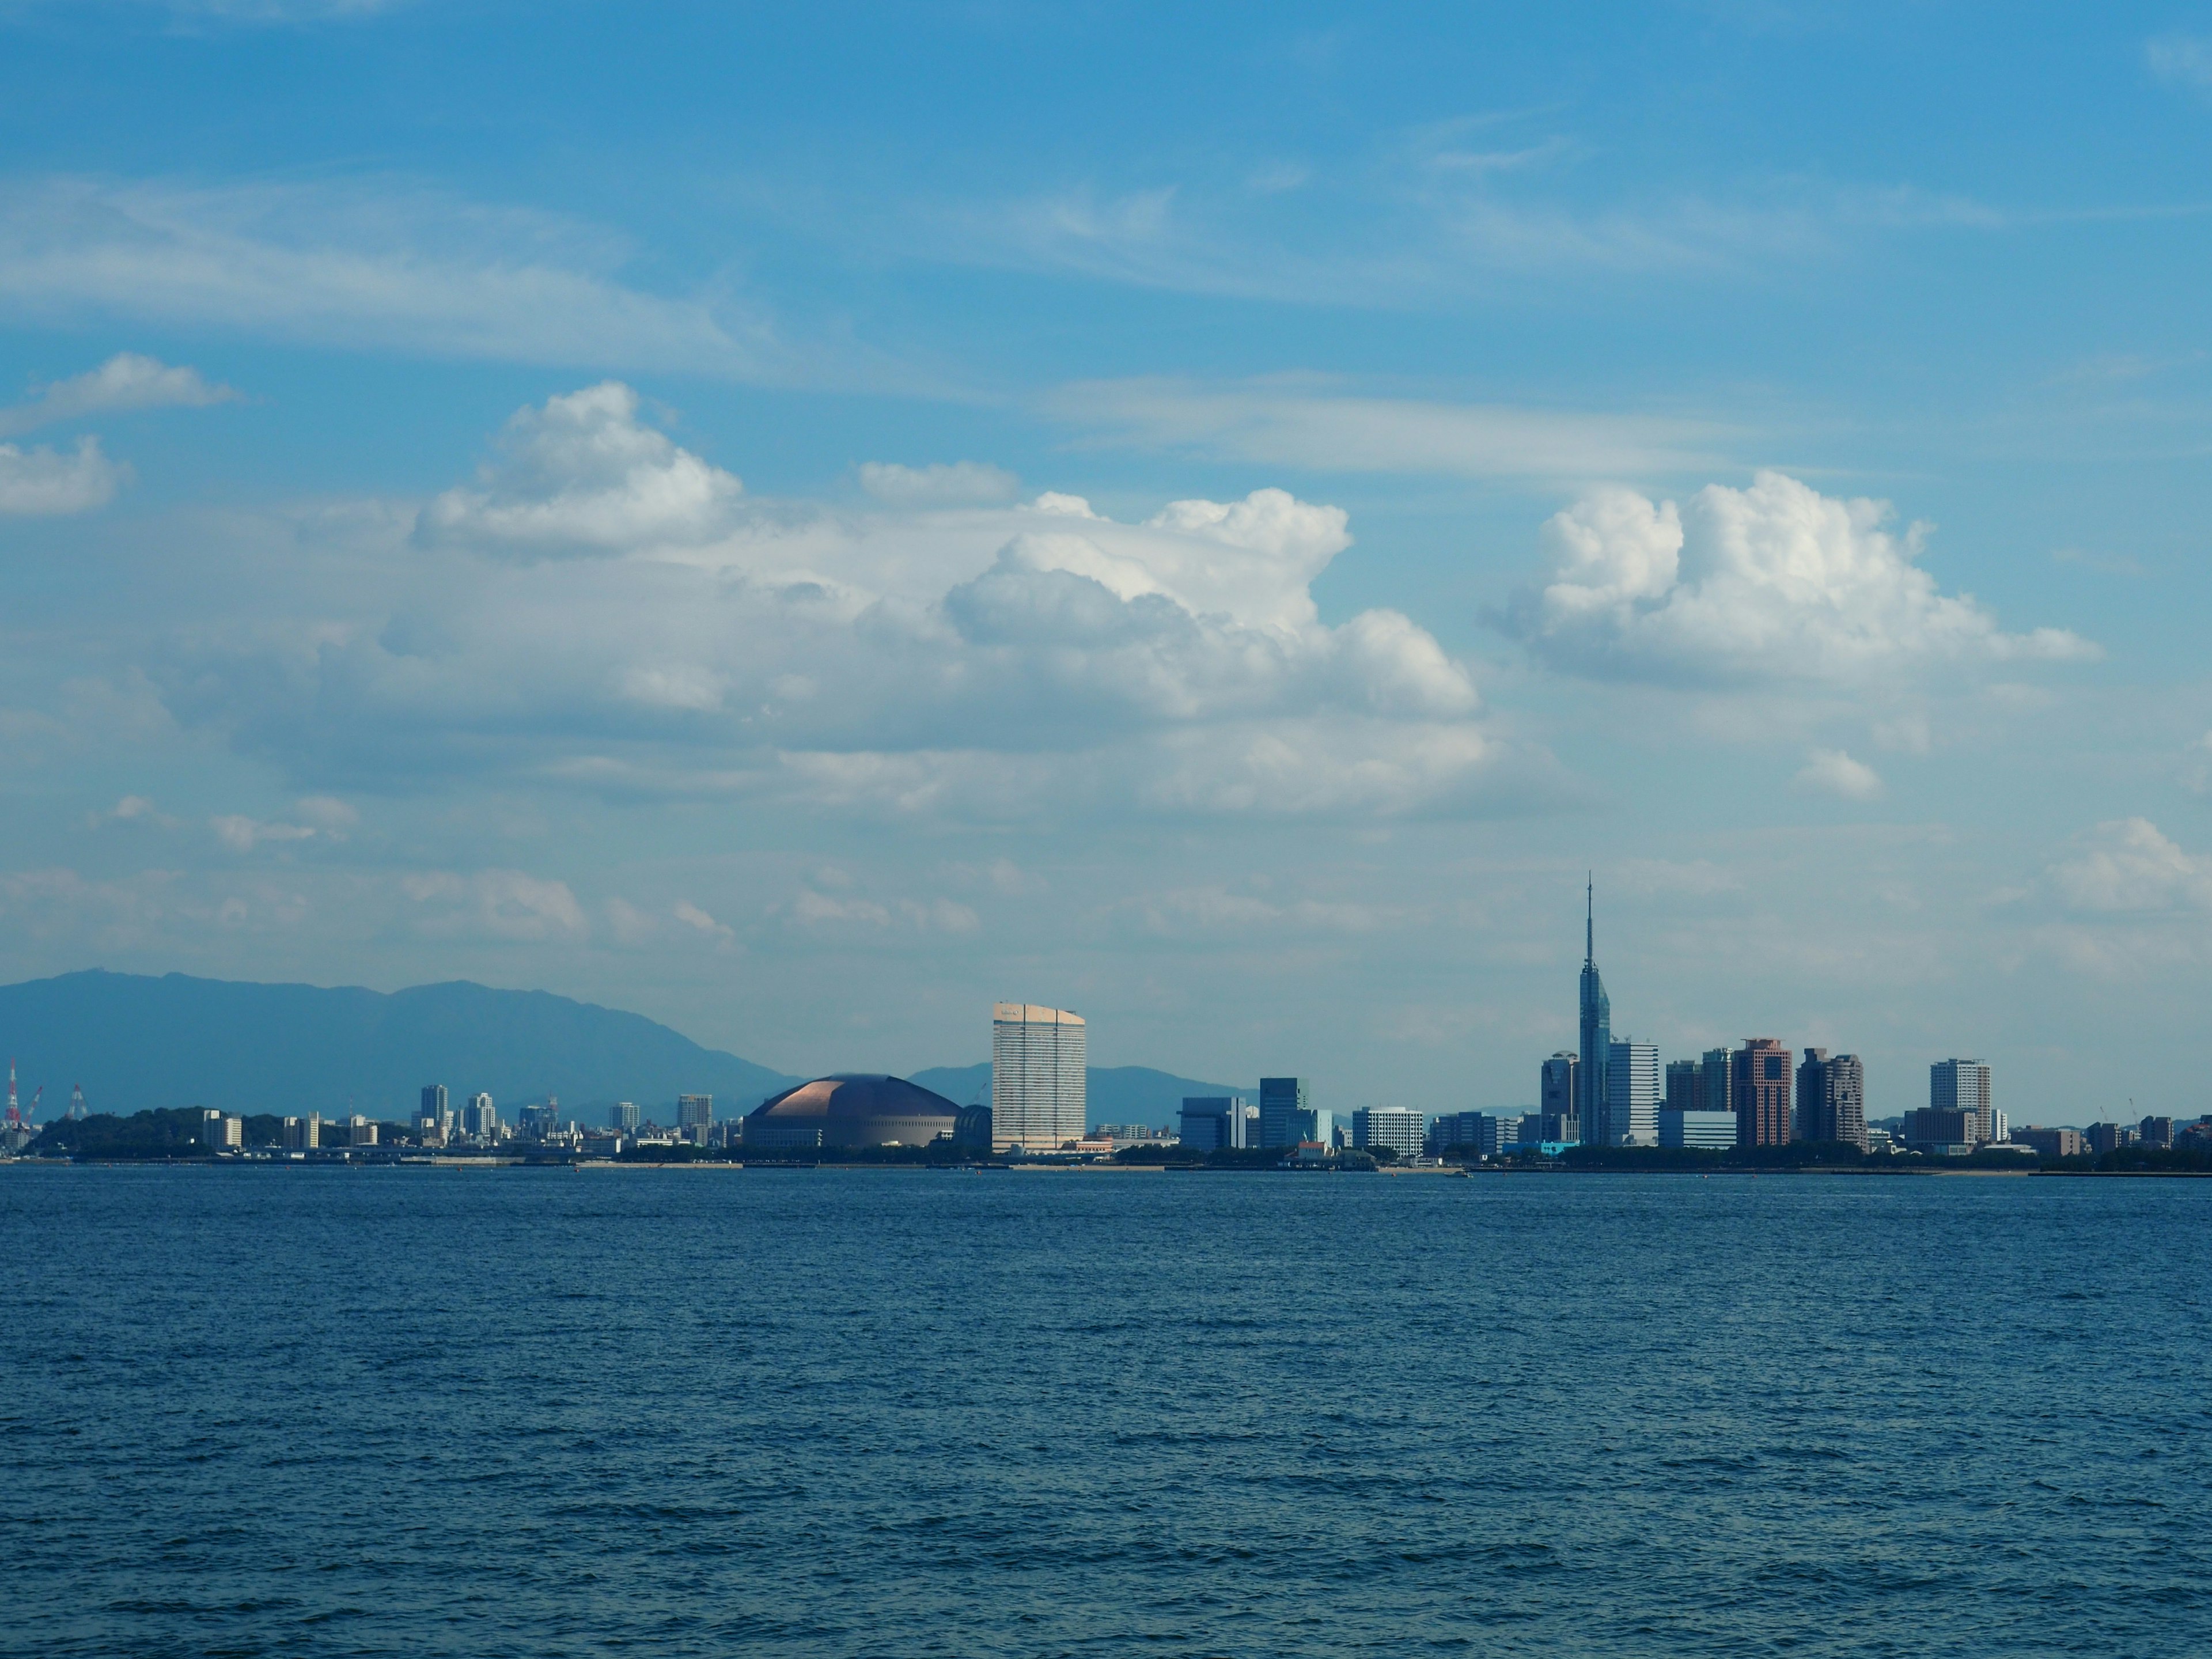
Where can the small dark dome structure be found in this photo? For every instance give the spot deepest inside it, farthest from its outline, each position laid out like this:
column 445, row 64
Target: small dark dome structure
column 851, row 1109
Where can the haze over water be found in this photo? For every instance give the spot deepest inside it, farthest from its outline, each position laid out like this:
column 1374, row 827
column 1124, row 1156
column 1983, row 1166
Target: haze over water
column 856, row 1412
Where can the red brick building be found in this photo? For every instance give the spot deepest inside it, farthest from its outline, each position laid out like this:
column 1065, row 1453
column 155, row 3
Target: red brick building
column 1761, row 1087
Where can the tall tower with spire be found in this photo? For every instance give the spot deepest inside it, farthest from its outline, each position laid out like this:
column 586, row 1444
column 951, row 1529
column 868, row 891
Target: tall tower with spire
column 1596, row 1032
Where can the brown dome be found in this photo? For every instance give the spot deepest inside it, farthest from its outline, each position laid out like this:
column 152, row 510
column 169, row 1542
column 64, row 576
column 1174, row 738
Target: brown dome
column 851, row 1109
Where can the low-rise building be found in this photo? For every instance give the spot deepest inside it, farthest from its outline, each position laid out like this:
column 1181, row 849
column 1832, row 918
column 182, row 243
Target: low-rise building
column 1713, row 1131
column 2051, row 1143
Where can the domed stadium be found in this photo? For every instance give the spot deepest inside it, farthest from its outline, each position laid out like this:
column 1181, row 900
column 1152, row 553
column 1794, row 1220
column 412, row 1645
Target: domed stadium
column 850, row 1109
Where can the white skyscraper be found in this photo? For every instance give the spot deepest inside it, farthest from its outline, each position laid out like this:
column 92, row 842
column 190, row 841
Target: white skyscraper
column 1037, row 1097
column 1631, row 1096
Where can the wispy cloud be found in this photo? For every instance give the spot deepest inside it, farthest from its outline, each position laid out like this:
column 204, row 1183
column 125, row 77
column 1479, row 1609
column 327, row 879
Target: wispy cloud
column 1305, row 421
column 370, row 265
column 2181, row 60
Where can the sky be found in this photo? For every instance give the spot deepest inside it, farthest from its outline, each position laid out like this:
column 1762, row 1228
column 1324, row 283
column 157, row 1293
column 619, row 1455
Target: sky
column 804, row 521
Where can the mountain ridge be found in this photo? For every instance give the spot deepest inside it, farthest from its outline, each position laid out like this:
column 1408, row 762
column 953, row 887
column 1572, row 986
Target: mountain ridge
column 136, row 1041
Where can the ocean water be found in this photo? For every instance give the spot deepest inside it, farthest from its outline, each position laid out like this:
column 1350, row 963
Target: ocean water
column 307, row 1413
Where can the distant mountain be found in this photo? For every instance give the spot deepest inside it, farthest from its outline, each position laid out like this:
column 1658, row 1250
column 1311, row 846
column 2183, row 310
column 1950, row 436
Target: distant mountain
column 136, row 1042
column 1116, row 1094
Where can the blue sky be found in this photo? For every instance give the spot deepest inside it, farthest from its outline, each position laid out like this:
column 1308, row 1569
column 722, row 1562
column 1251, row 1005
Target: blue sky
column 804, row 523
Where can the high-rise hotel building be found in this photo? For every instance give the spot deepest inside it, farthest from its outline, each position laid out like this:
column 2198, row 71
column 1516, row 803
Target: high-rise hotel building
column 1037, row 1098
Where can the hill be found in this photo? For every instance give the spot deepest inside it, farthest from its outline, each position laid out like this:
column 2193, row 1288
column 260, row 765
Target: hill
column 136, row 1042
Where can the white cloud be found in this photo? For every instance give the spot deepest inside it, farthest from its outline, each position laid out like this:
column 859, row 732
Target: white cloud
column 1304, row 422
column 1833, row 772
column 916, row 660
column 242, row 835
column 583, row 473
column 125, row 381
column 2181, row 60
column 943, row 483
column 2129, row 865
column 44, row 482
column 333, row 817
column 1774, row 582
column 363, row 266
column 698, row 920
column 501, row 904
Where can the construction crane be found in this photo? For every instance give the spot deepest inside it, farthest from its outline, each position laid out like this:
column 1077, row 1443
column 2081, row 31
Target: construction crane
column 37, row 1094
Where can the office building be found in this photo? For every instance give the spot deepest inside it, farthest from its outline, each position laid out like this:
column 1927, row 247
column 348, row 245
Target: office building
column 1212, row 1123
column 1398, row 1128
column 2107, row 1137
column 1719, row 1081
column 1498, row 1133
column 2152, row 1132
column 1631, row 1096
column 220, row 1132
column 1963, row 1085
column 694, row 1116
column 1556, row 1084
column 1758, row 1089
column 1038, row 1079
column 1832, row 1098
column 1283, row 1114
column 480, row 1119
column 1685, row 1086
column 303, row 1134
column 1591, row 1094
column 361, row 1131
column 1685, row 1127
column 1455, row 1134
column 2051, row 1142
column 433, row 1101
column 1941, row 1131
column 1559, row 1130
column 622, row 1117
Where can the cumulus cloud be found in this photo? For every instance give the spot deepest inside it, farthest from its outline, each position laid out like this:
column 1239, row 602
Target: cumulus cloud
column 124, row 382
column 584, row 474
column 941, row 484
column 1833, row 772
column 1774, row 582
column 47, row 482
column 2127, row 865
column 923, row 659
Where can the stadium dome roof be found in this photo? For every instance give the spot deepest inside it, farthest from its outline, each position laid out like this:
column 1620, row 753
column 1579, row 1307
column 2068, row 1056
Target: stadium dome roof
column 852, row 1108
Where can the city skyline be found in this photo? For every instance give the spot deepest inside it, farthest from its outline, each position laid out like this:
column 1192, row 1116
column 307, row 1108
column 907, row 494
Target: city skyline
column 795, row 563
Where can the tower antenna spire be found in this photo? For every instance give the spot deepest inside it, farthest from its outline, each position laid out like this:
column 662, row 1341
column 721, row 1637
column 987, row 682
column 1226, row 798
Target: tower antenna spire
column 1589, row 924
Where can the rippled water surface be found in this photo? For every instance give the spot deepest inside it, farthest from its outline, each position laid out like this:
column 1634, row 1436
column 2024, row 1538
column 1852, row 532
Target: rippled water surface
column 846, row 1412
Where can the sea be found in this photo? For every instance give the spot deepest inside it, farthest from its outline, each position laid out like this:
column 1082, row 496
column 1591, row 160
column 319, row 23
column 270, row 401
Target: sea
column 321, row 1411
